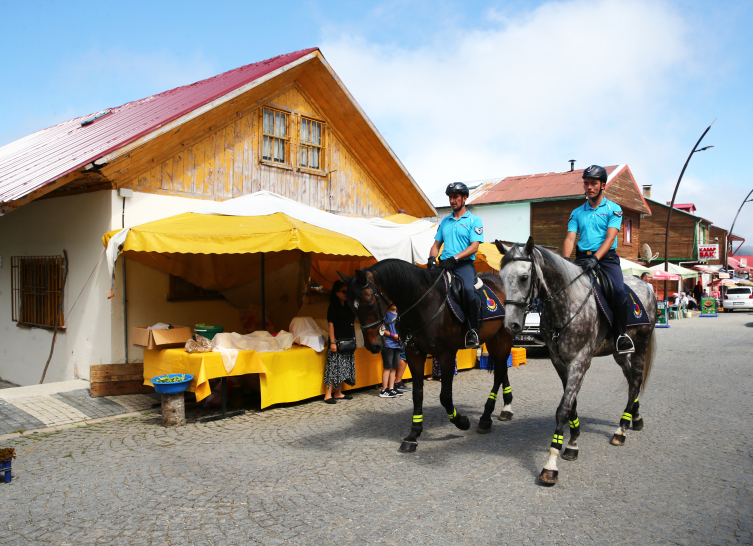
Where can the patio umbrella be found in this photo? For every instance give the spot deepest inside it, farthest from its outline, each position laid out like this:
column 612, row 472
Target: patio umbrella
column 632, row 268
column 683, row 272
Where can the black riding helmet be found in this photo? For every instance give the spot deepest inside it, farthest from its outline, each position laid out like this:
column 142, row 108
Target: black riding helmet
column 457, row 187
column 595, row 171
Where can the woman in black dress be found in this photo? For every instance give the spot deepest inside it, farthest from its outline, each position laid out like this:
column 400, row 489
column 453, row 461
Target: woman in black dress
column 341, row 366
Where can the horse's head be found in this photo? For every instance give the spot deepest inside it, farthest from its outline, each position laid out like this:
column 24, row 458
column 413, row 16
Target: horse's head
column 517, row 276
column 369, row 306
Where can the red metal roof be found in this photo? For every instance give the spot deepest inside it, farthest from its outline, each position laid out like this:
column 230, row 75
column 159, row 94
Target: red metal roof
column 40, row 158
column 687, row 207
column 532, row 187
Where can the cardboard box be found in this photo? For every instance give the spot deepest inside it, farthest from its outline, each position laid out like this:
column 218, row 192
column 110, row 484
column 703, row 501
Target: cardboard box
column 160, row 339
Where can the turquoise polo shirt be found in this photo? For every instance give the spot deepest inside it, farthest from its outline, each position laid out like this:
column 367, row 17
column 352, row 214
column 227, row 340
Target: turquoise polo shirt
column 457, row 235
column 592, row 224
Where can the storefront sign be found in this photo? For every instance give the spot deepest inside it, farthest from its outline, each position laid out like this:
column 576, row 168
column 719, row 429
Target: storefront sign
column 662, row 320
column 724, row 275
column 708, row 307
column 708, row 252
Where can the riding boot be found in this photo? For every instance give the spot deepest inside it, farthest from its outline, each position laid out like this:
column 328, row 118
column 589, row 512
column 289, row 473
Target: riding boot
column 623, row 343
column 473, row 317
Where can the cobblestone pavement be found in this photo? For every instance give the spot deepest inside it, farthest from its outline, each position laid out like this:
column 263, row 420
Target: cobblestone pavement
column 318, row 474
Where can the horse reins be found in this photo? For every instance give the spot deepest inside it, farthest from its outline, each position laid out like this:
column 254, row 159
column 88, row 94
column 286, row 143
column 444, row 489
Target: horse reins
column 528, row 302
column 380, row 296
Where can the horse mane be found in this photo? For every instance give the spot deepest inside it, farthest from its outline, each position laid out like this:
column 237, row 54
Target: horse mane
column 550, row 262
column 402, row 280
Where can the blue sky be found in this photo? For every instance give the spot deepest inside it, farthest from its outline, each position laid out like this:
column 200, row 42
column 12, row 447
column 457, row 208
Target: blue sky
column 461, row 90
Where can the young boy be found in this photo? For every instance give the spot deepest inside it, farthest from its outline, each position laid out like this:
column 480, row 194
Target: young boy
column 390, row 355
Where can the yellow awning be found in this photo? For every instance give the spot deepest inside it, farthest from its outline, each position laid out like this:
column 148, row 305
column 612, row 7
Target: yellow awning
column 220, row 252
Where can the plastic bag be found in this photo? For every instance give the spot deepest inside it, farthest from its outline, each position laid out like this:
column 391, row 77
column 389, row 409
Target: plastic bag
column 201, row 345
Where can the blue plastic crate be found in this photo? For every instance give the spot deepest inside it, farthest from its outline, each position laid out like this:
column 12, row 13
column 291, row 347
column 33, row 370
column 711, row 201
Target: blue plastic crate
column 486, row 363
column 5, row 468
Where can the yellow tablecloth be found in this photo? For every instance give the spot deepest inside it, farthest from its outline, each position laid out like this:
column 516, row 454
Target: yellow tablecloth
column 285, row 376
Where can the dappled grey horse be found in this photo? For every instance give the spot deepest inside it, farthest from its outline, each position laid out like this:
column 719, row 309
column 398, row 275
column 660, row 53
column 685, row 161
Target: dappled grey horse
column 575, row 331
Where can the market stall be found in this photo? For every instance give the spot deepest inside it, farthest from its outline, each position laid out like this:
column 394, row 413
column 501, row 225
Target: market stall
column 236, row 244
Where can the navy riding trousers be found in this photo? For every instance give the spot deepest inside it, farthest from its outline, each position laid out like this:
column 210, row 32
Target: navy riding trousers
column 467, row 273
column 610, row 264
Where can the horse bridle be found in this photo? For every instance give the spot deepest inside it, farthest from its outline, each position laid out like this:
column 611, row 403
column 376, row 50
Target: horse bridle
column 380, row 297
column 528, row 302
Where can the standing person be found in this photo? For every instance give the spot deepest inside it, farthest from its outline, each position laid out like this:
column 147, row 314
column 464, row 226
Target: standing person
column 646, row 277
column 598, row 221
column 461, row 232
column 399, row 383
column 390, row 355
column 697, row 291
column 341, row 365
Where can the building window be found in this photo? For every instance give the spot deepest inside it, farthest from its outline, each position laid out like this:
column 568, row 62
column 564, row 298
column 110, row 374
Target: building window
column 37, row 289
column 182, row 290
column 628, row 232
column 275, row 145
column 311, row 145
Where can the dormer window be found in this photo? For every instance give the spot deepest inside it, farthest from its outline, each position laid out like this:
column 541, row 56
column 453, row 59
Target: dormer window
column 275, row 140
column 311, row 145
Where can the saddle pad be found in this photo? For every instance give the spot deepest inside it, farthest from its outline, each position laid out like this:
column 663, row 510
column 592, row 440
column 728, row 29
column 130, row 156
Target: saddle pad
column 491, row 308
column 637, row 315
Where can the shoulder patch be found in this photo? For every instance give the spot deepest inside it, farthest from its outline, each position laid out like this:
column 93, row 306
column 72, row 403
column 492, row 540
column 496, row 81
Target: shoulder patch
column 617, row 212
column 479, row 230
column 571, row 217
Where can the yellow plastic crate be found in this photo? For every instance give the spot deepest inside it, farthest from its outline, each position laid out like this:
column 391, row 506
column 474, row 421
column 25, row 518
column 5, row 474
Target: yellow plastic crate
column 518, row 356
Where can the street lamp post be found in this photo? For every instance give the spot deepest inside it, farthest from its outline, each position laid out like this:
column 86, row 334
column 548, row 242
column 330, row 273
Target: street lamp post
column 672, row 204
column 729, row 245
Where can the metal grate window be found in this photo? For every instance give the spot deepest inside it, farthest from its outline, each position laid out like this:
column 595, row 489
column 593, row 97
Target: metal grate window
column 311, row 144
column 37, row 287
column 275, row 136
column 182, row 290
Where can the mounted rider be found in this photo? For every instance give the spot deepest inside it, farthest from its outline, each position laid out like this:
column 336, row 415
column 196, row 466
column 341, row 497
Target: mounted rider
column 598, row 222
column 461, row 232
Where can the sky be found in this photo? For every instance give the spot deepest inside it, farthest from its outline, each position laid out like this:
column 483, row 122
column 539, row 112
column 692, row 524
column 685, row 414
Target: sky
column 460, row 90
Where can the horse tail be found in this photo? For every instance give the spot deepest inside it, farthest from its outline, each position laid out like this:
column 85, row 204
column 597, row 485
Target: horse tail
column 649, row 360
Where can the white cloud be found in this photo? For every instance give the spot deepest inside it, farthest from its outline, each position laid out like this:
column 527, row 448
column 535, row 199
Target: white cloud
column 579, row 79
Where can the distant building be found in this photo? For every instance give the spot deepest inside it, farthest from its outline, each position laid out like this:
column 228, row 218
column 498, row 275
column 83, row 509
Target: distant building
column 516, row 207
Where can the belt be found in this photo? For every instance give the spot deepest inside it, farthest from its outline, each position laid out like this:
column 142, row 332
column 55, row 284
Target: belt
column 592, row 252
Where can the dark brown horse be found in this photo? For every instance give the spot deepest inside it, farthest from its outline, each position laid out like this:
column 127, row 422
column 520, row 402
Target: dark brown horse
column 428, row 327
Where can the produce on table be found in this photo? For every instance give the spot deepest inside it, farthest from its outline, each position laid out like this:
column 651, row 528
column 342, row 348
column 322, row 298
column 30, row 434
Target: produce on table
column 166, row 379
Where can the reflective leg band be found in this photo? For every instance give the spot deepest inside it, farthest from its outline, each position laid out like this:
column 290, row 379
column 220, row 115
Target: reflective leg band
column 636, row 399
column 575, row 424
column 558, row 439
column 507, row 390
column 493, row 396
column 627, row 416
column 454, row 414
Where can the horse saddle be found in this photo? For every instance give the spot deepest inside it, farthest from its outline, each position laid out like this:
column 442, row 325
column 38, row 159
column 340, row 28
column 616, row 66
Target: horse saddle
column 637, row 315
column 491, row 307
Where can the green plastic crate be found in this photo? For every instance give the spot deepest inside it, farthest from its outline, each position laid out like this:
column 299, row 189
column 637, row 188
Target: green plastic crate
column 208, row 330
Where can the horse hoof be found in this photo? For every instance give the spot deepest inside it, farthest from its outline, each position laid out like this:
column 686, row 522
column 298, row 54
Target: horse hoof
column 548, row 477
column 570, row 454
column 408, row 447
column 462, row 422
column 638, row 424
column 484, row 427
column 618, row 440
column 505, row 416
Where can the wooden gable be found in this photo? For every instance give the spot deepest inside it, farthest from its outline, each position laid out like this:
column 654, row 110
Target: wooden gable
column 682, row 233
column 624, row 191
column 216, row 155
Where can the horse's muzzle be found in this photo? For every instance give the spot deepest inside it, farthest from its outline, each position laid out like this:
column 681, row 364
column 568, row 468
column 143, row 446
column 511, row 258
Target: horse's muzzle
column 513, row 328
column 375, row 349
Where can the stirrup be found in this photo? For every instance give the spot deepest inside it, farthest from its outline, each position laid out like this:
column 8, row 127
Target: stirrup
column 627, row 351
column 471, row 340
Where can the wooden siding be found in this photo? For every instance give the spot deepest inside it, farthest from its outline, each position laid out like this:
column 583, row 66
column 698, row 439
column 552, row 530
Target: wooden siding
column 225, row 163
column 549, row 226
column 682, row 233
column 721, row 235
column 624, row 191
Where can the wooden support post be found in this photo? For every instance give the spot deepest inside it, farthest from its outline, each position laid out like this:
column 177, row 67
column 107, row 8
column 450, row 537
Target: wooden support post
column 173, row 410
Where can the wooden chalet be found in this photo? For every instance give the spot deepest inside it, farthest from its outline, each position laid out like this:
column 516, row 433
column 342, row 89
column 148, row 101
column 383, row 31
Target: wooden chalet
column 287, row 125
